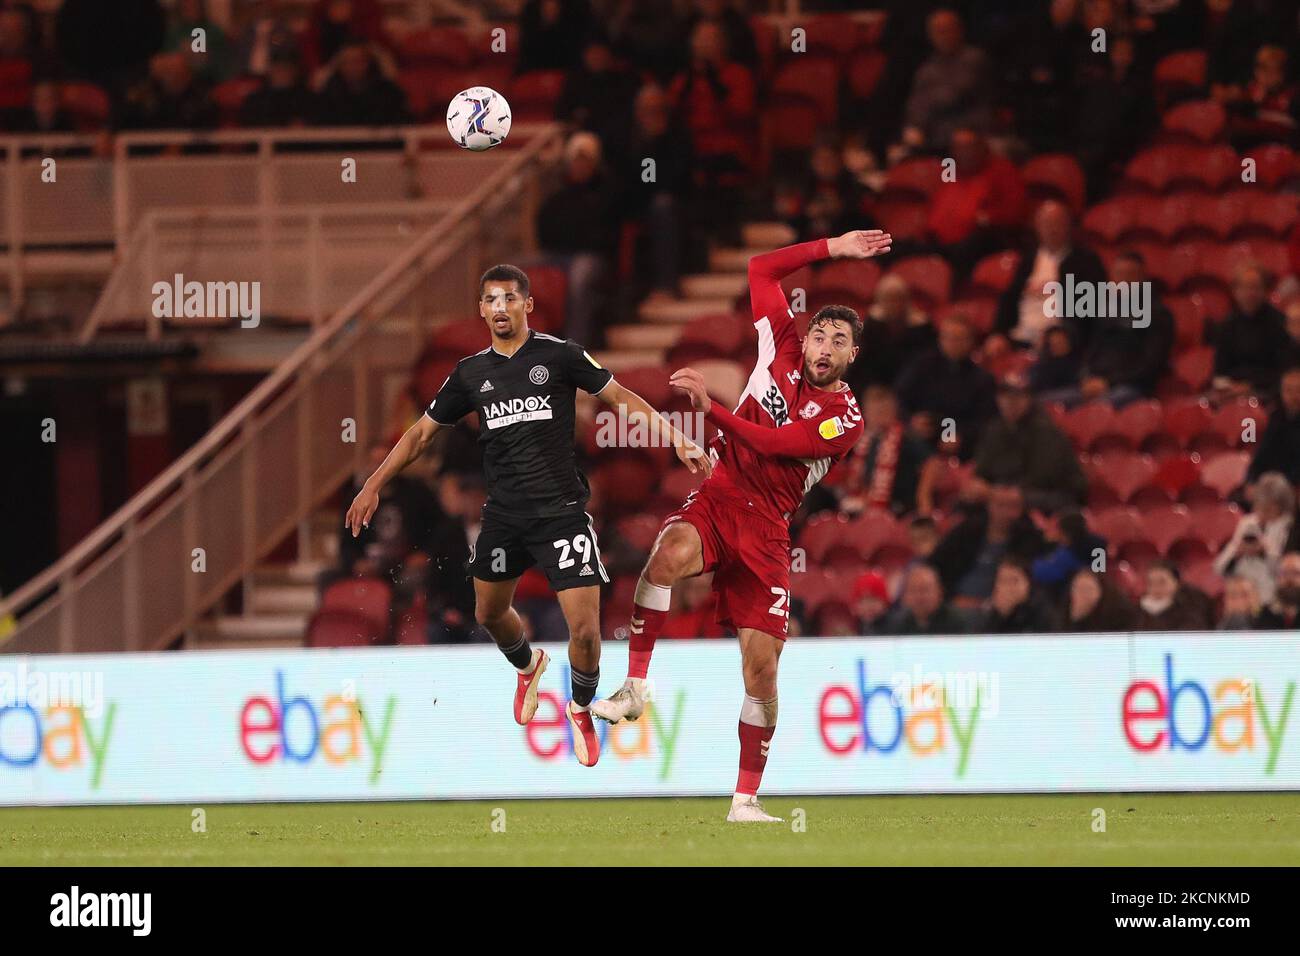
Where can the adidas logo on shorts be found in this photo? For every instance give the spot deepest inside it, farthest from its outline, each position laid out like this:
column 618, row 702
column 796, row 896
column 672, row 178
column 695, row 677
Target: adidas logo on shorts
column 586, row 569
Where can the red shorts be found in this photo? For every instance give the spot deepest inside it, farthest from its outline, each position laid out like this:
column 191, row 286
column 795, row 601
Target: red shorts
column 749, row 556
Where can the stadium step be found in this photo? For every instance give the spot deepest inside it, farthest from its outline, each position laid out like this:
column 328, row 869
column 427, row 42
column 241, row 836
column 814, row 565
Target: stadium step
column 262, row 630
column 768, row 235
column 715, row 285
column 282, row 598
column 620, row 360
column 642, row 337
column 732, row 259
column 295, row 572
column 681, row 311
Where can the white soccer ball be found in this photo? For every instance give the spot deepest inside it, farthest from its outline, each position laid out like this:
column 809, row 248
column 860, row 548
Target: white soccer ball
column 478, row 118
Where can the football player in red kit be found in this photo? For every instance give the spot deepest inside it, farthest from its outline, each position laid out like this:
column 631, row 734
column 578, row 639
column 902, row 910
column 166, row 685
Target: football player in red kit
column 795, row 419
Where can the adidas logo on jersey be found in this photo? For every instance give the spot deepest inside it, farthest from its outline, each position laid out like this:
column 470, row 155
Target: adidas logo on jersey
column 487, row 386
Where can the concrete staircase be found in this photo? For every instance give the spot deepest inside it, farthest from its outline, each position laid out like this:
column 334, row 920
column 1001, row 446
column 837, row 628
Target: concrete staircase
column 279, row 599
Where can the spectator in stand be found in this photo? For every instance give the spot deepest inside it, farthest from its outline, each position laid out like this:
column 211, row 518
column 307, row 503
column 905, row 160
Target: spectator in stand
column 1292, row 359
column 885, row 467
column 1258, row 541
column 982, row 210
column 576, row 229
column 827, row 201
column 1024, row 447
column 552, row 34
column 450, row 597
column 659, row 206
column 1022, row 315
column 1279, row 445
column 870, row 602
column 1113, row 111
column 598, row 95
column 1057, row 368
column 946, row 384
column 213, row 63
column 1283, row 613
column 1123, row 362
column 649, row 34
column 1251, row 343
column 898, row 331
column 922, row 608
column 1241, row 605
column 1073, row 548
column 1013, row 607
column 923, row 536
column 1264, row 110
column 716, row 98
column 355, row 92
column 17, row 67
column 968, row 556
column 951, row 90
column 170, row 98
column 46, row 114
column 1169, row 604
column 284, row 99
column 1094, row 607
column 106, row 43
column 734, row 25
column 265, row 34
column 695, row 610
column 336, row 23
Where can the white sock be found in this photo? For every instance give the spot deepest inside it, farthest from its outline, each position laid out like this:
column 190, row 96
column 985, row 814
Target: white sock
column 532, row 665
column 578, row 708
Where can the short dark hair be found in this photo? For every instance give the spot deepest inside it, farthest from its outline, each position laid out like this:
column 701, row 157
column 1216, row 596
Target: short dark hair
column 505, row 273
column 838, row 313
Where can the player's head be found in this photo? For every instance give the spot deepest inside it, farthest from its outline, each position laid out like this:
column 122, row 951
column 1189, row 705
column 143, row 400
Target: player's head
column 504, row 301
column 830, row 345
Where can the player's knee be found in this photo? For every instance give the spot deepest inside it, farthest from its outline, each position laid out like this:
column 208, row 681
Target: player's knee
column 760, row 676
column 670, row 560
column 489, row 616
column 585, row 636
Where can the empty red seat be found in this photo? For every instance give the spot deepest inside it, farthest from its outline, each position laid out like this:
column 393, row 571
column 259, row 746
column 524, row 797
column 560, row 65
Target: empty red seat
column 791, row 122
column 447, row 46
column 1118, row 525
column 1200, row 574
column 865, row 68
column 370, row 598
column 1181, row 71
column 1175, row 473
column 336, row 628
column 533, row 95
column 1225, row 473
column 1185, row 419
column 1201, row 121
column 929, row 278
column 1275, row 165
column 710, row 336
column 994, row 272
column 1110, row 220
column 1124, row 474
column 812, row 76
column 1268, row 215
column 914, row 178
column 1138, row 421
column 858, row 275
column 1192, row 369
column 1162, row 525
column 1089, row 422
column 1214, row 523
column 904, row 219
column 1055, row 175
column 820, row 533
column 1240, row 423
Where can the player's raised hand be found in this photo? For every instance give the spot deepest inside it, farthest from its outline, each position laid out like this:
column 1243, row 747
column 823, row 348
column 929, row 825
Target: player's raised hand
column 691, row 382
column 860, row 244
column 362, row 510
column 694, row 458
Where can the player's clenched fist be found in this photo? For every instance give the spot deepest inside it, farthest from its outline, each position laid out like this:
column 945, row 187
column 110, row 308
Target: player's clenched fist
column 691, row 382
column 362, row 510
column 860, row 244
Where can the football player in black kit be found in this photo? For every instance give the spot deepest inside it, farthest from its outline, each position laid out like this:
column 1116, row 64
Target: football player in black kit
column 522, row 386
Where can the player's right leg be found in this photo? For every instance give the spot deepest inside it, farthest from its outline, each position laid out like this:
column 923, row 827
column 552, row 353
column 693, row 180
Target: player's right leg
column 678, row 553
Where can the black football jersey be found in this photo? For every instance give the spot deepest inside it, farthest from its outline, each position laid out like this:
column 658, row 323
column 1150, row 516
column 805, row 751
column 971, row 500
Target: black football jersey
column 525, row 405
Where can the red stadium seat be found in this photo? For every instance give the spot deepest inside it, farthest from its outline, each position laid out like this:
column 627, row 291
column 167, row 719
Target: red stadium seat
column 1275, row 165
column 1124, row 474
column 1181, row 72
column 87, row 104
column 1225, row 473
column 994, row 272
column 790, row 123
column 1189, row 323
column 1200, row 121
column 905, row 220
column 548, row 285
column 1267, row 215
column 725, row 335
column 1176, row 473
column 980, row 311
column 533, row 95
column 1118, row 525
column 916, row 178
column 929, row 278
column 371, row 598
column 1138, row 421
column 1219, row 217
column 1162, row 525
column 1186, row 419
column 443, row 46
column 1193, row 368
column 676, row 483
column 858, row 275
column 866, row 67
column 1241, row 420
column 650, row 382
column 1175, row 215
column 1200, row 574
column 335, row 628
column 1110, row 220
column 230, row 95
column 640, row 530
column 821, row 533
column 1214, row 523
column 1055, row 175
column 814, row 77
column 1087, row 423
column 876, row 528
column 459, row 339
column 831, row 36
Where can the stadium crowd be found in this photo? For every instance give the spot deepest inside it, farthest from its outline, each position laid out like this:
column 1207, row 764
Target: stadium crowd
column 1022, row 471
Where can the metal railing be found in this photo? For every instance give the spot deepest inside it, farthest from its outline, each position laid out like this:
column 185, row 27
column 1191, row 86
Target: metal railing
column 134, row 583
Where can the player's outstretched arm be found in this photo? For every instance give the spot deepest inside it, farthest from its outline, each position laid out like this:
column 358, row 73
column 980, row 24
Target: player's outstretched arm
column 688, row 452
column 408, row 448
column 859, row 244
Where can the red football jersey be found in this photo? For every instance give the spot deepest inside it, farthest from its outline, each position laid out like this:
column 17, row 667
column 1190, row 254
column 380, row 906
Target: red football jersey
column 776, row 396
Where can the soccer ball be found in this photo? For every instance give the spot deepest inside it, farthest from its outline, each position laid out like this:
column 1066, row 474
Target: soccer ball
column 478, row 118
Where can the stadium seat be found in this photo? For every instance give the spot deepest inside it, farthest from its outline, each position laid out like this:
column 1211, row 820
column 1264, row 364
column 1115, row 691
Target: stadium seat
column 423, row 86
column 549, row 287
column 1056, row 176
column 1189, row 323
column 1225, row 473
column 724, row 335
column 905, row 220
column 459, row 339
column 1089, row 422
column 437, row 46
column 1137, row 422
column 859, row 275
column 1180, row 73
column 1185, row 419
column 875, row 528
column 814, row 77
column 1109, row 221
column 1200, row 121
column 1275, row 165
column 230, row 95
column 1162, row 525
column 1200, row 574
column 1120, row 474
column 1118, row 524
column 676, row 483
column 831, row 36
column 979, row 310
column 1130, row 580
column 339, row 628
column 413, row 625
column 1218, row 217
column 790, row 123
column 994, row 273
column 1193, row 368
column 915, row 178
column 87, row 104
column 929, row 278
column 1267, row 215
column 820, row 533
column 533, row 95
column 1214, row 523
column 650, row 382
column 370, row 598
column 949, row 480
column 1233, row 423
column 1174, row 216
column 627, row 480
column 725, row 379
column 1175, row 473
column 640, row 530
column 865, row 68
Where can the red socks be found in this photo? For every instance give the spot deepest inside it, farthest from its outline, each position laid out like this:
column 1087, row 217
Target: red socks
column 757, row 724
column 649, row 610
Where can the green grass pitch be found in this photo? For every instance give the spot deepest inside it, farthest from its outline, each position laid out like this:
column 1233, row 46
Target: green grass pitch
column 1141, row 829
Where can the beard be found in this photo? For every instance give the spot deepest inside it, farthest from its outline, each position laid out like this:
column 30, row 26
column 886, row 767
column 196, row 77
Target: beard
column 821, row 379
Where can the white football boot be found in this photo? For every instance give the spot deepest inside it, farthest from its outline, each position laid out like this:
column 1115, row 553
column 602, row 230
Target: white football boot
column 626, row 703
column 747, row 809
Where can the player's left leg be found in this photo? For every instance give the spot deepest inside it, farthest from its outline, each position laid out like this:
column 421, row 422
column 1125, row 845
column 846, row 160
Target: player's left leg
column 760, row 653
column 581, row 607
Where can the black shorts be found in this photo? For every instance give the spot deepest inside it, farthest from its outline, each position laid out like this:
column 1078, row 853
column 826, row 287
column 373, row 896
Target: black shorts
column 564, row 545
